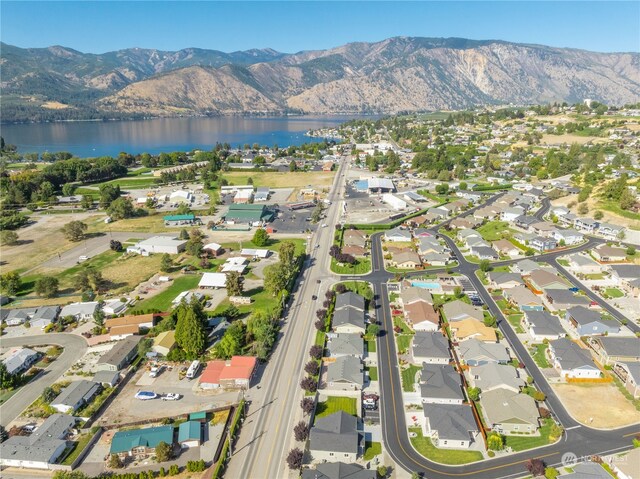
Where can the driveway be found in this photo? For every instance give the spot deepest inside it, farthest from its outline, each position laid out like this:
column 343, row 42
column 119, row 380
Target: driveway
column 74, row 348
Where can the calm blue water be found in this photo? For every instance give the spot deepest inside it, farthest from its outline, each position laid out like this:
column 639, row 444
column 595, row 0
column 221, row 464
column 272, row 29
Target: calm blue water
column 166, row 134
column 422, row 284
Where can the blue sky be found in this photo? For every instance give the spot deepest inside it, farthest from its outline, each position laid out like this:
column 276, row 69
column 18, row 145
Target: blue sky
column 100, row 26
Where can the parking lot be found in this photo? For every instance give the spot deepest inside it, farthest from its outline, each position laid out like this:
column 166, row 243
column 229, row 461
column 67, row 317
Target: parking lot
column 200, row 200
column 289, row 221
column 125, row 408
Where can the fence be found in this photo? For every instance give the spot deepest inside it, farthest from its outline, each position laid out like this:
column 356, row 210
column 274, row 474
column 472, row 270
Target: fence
column 218, row 470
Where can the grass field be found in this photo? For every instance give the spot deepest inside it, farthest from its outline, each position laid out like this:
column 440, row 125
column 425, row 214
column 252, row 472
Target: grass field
column 495, row 230
column 614, row 292
column 131, row 182
column 371, row 450
column 445, row 456
column 335, row 404
column 371, row 346
column 373, row 373
column 260, row 299
column 298, row 179
column 145, row 224
column 409, row 377
column 520, row 443
column 539, row 356
column 162, row 301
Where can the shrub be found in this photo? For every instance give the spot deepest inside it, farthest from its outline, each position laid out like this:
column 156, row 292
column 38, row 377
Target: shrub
column 301, row 431
column 294, row 459
column 312, row 368
column 307, row 405
column 174, row 470
column 316, row 351
column 309, row 384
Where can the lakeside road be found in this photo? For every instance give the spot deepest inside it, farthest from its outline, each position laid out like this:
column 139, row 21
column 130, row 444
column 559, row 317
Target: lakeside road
column 74, row 348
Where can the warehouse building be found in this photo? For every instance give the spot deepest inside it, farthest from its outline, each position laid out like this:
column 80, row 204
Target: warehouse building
column 158, row 244
column 252, row 214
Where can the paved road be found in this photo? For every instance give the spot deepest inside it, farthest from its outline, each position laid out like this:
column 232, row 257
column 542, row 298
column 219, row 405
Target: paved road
column 74, row 348
column 268, row 429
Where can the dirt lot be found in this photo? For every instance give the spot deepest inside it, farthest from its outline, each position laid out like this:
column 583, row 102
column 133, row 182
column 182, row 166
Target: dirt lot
column 300, row 179
column 579, row 401
column 126, row 408
column 570, row 139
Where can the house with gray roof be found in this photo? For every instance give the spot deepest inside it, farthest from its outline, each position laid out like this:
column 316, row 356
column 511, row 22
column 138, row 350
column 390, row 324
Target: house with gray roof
column 542, row 279
column 569, row 236
column 508, row 412
column 542, row 325
column 572, row 361
column 450, row 426
column 397, row 235
column 476, row 353
column 80, row 311
column 430, row 347
column 120, row 355
column 106, row 378
column 582, row 263
column 525, row 266
column 484, row 252
column 43, row 447
column 17, row 316
column 629, row 374
column 339, row 470
column 20, row 360
column 436, row 259
column 458, row 310
column 44, row 316
column 587, row 322
column 335, row 438
column 345, row 374
column 345, row 344
column 523, row 299
column 503, row 280
column 76, row 395
column 440, row 384
column 348, row 320
column 563, row 299
column 611, row 349
column 351, row 300
column 492, row 376
column 412, row 294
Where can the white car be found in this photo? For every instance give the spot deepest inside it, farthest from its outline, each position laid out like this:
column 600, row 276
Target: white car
column 324, row 225
column 155, row 371
column 171, row 397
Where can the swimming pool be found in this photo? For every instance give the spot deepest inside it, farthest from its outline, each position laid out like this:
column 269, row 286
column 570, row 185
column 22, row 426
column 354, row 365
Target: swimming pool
column 425, row 285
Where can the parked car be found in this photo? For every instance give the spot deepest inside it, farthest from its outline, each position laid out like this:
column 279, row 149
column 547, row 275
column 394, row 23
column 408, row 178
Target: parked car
column 155, row 371
column 314, row 297
column 171, row 397
column 146, row 395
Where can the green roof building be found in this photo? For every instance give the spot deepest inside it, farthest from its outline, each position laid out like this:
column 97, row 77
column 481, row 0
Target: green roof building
column 189, row 433
column 180, row 220
column 248, row 213
column 141, row 441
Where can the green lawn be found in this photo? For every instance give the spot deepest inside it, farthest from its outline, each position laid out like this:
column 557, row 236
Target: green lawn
column 404, row 342
column 522, row 442
column 614, row 292
column 563, row 262
column 360, row 287
column 371, row 345
column 371, row 450
column 273, row 245
column 514, row 320
column 495, row 230
column 132, row 182
column 361, row 266
column 335, row 404
column 373, row 373
column 78, row 447
column 162, row 301
column 409, row 377
column 398, row 322
column 445, row 456
column 539, row 356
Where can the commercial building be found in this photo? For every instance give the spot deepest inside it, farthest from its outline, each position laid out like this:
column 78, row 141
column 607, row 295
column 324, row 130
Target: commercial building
column 158, row 245
column 141, row 443
column 251, row 214
column 235, row 373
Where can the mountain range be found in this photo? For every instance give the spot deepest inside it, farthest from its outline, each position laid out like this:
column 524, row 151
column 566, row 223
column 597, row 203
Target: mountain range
column 399, row 74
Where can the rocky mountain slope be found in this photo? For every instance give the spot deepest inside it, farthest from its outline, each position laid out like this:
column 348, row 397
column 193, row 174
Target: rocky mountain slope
column 398, row 74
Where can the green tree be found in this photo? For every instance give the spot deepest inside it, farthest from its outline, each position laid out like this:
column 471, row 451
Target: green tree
column 184, row 234
column 10, row 282
column 627, row 199
column 190, row 333
column 86, row 202
column 68, row 189
column 287, row 252
column 8, row 237
column 495, row 442
column 551, row 473
column 121, row 208
column 275, row 278
column 69, row 475
column 598, row 215
column 260, row 238
column 233, row 283
column 165, row 263
column 108, row 193
column 264, row 330
column 74, row 230
column 47, row 286
column 7, row 381
column 373, row 329
column 233, row 340
column 583, row 209
column 115, row 462
column 48, row 395
column 474, row 393
column 88, row 279
column 442, row 189
column 163, row 452
column 292, row 166
column 485, row 265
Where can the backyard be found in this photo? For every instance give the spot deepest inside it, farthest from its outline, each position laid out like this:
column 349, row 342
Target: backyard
column 335, row 404
column 444, row 456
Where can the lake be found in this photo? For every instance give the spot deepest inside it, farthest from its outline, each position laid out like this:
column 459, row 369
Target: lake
column 100, row 138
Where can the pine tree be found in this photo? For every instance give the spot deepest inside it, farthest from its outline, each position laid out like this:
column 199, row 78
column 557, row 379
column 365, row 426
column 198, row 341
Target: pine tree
column 190, row 334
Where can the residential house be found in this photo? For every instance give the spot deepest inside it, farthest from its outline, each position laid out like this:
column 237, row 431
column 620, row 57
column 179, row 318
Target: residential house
column 348, row 320
column 586, row 225
column 563, row 299
column 141, row 321
column 588, row 470
column 506, row 248
column 476, row 353
column 472, row 328
column 335, row 437
column 510, row 213
column 484, row 252
column 610, row 231
column 107, row 378
column 350, row 300
column 435, row 259
column 339, row 470
column 587, row 322
column 582, row 263
column 406, row 260
column 610, row 350
column 541, row 325
column 523, row 299
column 354, row 250
column 609, row 254
column 627, row 276
column 422, row 316
column 80, row 311
column 397, row 235
column 450, row 426
column 412, row 294
column 525, row 222
column 44, row 316
column 458, row 310
column 629, row 374
column 492, row 376
column 569, row 237
column 345, row 345
column 18, row 316
column 543, row 244
column 543, row 229
column 164, row 342
column 20, row 360
column 75, row 396
column 502, row 280
column 567, row 220
column 112, row 307
column 440, row 384
column 235, row 373
column 119, row 357
column 345, row 374
column 572, row 361
column 465, row 234
column 508, row 412
column 141, row 443
column 40, row 449
column 475, row 242
column 431, row 348
column 429, row 244
column 525, row 267
column 541, row 279
column 190, row 434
